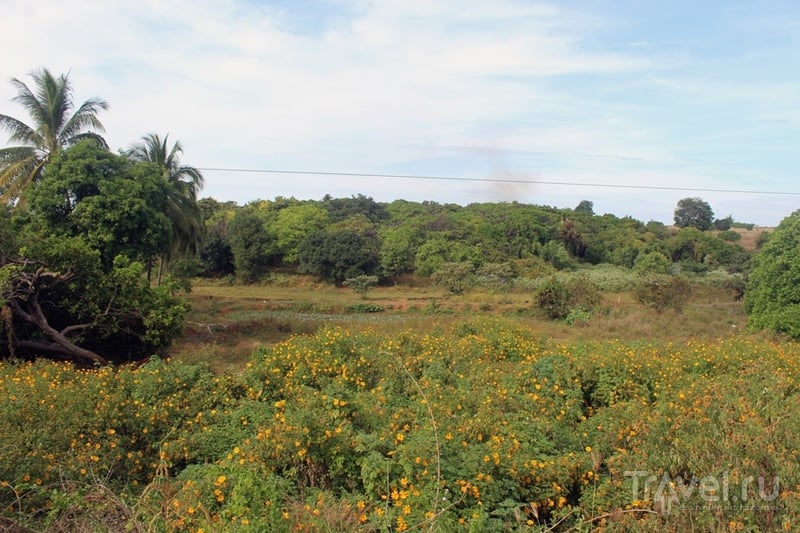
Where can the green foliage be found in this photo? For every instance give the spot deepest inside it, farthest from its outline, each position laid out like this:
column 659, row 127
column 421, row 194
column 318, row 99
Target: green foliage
column 772, row 296
column 662, row 292
column 119, row 428
column 743, row 225
column 418, row 238
column 455, row 277
column 362, row 284
column 585, row 207
column 438, row 250
column 216, row 253
column 723, row 224
column 484, row 427
column 78, row 289
column 729, row 235
column 343, row 208
column 497, row 276
column 340, row 255
column 694, row 213
column 763, row 238
column 397, row 250
column 254, row 248
column 115, row 206
column 690, row 245
column 557, row 297
column 652, row 263
column 577, row 316
column 293, row 225
column 556, row 254
column 362, row 307
column 111, row 311
column 57, row 124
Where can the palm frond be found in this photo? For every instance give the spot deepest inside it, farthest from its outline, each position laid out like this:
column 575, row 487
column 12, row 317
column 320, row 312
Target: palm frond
column 184, row 183
column 19, row 131
column 85, row 118
column 49, row 104
column 18, row 168
column 27, row 99
column 101, row 142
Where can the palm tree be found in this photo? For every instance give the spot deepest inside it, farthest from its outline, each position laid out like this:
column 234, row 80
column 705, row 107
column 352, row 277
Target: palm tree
column 54, row 127
column 184, row 184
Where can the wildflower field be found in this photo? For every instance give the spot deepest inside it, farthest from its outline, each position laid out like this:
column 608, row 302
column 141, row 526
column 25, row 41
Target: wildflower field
column 476, row 425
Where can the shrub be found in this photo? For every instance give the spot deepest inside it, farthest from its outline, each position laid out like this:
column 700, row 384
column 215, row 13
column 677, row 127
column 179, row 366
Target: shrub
column 555, row 253
column 652, row 263
column 484, row 426
column 729, row 235
column 663, row 291
column 556, row 298
column 455, row 277
column 496, row 276
column 364, row 308
column 362, row 284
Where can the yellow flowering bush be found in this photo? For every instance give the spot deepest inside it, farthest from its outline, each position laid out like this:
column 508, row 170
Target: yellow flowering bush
column 480, row 426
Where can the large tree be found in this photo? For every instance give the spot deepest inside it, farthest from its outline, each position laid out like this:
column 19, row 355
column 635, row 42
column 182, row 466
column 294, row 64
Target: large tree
column 184, row 182
column 71, row 283
column 115, row 205
column 55, row 124
column 339, row 255
column 255, row 248
column 694, row 213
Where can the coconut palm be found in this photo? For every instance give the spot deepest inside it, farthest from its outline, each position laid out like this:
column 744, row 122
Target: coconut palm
column 54, row 126
column 184, row 184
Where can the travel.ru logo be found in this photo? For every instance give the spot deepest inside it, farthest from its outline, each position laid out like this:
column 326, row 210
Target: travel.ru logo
column 713, row 490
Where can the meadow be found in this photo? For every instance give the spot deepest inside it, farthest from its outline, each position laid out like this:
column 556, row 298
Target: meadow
column 299, row 406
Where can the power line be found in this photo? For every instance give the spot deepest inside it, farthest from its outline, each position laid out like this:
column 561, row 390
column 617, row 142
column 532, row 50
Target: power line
column 497, row 180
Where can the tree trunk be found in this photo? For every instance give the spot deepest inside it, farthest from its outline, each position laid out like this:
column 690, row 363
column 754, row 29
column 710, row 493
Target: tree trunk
column 60, row 343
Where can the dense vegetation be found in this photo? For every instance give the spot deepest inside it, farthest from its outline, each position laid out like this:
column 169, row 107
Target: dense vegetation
column 773, row 292
column 346, row 237
column 477, row 425
column 481, row 426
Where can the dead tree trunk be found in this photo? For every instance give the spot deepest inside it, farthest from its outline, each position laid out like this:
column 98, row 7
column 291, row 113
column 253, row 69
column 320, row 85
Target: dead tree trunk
column 23, row 298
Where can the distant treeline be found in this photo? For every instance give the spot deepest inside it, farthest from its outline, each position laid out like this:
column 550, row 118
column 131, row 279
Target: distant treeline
column 341, row 238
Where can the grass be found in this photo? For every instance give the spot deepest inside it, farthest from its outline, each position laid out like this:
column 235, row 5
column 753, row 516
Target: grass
column 228, row 322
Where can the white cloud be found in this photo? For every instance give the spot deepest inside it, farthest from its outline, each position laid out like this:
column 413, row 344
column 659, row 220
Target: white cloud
column 364, row 86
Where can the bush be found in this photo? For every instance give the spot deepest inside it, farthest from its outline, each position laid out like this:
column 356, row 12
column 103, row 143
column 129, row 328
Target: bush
column 496, row 276
column 729, row 235
column 483, row 427
column 557, row 298
column 555, row 253
column 362, row 284
column 455, row 277
column 365, row 308
column 663, row 291
column 652, row 263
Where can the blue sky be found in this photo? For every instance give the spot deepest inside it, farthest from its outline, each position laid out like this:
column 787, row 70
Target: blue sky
column 692, row 95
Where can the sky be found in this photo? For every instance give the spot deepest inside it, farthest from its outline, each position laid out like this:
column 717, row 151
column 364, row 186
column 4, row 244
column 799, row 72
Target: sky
column 630, row 104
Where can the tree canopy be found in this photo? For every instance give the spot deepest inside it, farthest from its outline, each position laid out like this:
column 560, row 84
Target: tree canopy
column 115, row 205
column 772, row 295
column 694, row 213
column 183, row 184
column 71, row 277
